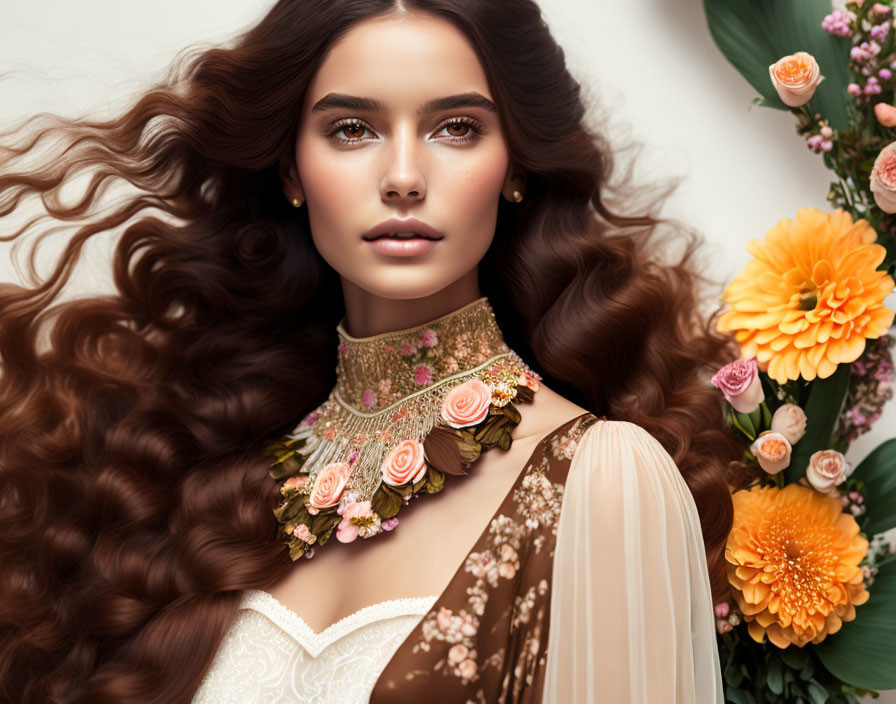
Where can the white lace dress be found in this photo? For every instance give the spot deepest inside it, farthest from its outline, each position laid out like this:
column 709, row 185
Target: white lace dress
column 271, row 656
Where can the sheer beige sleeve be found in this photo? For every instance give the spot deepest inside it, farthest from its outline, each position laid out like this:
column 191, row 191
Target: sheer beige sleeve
column 631, row 608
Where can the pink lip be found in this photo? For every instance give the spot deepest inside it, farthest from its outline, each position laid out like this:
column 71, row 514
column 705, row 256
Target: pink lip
column 392, row 247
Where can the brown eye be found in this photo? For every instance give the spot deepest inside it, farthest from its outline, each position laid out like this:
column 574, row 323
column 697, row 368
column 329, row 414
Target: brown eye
column 353, row 130
column 458, row 129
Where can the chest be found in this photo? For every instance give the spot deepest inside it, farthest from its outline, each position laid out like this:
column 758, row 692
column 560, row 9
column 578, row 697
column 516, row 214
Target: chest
column 418, row 558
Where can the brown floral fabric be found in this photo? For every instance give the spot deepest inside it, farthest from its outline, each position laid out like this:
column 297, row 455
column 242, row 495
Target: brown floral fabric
column 485, row 638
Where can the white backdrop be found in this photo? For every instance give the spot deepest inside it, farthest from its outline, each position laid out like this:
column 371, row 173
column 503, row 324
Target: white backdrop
column 650, row 64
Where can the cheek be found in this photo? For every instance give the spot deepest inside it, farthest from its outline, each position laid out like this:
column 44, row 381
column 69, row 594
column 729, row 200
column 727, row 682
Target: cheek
column 329, row 182
column 469, row 193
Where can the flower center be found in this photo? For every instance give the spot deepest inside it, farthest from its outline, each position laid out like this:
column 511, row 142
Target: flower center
column 887, row 171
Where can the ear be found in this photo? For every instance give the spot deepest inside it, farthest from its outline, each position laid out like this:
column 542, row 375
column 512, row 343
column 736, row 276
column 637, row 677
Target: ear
column 514, row 180
column 289, row 177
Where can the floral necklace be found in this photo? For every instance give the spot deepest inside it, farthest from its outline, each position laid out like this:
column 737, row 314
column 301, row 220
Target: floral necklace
column 409, row 407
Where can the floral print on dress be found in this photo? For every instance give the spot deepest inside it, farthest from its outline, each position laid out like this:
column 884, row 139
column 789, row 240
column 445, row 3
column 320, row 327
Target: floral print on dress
column 485, row 638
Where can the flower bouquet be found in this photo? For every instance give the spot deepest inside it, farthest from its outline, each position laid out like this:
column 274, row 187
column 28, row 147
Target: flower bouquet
column 812, row 613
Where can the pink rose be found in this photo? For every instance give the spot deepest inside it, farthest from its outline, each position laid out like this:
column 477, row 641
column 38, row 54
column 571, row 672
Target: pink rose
column 790, row 421
column 883, row 179
column 466, row 404
column 827, row 469
column 404, row 463
column 423, row 375
column 739, row 382
column 772, row 450
column 795, row 78
column 430, row 339
column 328, row 486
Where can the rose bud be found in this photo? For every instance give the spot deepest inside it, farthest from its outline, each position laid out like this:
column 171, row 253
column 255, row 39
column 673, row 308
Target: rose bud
column 883, row 179
column 790, row 421
column 796, row 77
column 885, row 114
column 739, row 382
column 772, row 450
column 827, row 469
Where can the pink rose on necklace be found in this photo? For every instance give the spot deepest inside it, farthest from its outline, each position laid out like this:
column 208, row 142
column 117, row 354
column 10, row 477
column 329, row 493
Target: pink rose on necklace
column 466, row 404
column 328, row 486
column 404, row 463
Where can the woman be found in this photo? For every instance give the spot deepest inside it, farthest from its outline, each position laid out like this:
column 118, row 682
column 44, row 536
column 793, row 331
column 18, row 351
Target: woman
column 405, row 192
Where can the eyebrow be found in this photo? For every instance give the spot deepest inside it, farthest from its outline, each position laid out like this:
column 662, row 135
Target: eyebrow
column 450, row 102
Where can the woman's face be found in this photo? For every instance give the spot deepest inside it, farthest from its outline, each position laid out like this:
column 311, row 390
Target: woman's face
column 399, row 123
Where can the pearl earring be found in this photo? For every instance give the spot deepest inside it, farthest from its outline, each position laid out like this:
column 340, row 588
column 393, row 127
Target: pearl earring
column 296, row 202
column 517, row 196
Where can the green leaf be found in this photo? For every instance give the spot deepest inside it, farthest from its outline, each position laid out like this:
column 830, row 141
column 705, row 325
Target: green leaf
column 385, row 502
column 861, row 653
column 753, row 35
column 817, row 693
column 822, row 409
column 743, row 423
column 435, row 480
column 878, row 471
column 794, row 658
column 775, row 679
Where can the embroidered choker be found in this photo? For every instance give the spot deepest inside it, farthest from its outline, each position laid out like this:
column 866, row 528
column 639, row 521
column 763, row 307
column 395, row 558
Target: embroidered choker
column 409, row 407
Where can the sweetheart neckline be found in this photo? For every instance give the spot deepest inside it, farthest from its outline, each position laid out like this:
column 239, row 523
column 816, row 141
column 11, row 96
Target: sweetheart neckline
column 315, row 643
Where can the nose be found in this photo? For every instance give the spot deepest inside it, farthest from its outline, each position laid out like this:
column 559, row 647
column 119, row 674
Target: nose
column 403, row 179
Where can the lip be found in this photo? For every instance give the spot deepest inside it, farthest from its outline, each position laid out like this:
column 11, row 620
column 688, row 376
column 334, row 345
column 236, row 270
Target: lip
column 406, row 225
column 392, row 247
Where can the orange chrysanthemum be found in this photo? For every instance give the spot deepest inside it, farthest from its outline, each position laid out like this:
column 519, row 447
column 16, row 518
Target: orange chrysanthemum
column 793, row 563
column 810, row 297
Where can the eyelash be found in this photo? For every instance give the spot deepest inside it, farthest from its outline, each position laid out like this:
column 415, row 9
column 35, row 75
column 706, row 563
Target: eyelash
column 476, row 129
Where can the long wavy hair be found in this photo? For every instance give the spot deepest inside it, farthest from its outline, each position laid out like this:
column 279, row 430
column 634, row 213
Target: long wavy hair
column 135, row 502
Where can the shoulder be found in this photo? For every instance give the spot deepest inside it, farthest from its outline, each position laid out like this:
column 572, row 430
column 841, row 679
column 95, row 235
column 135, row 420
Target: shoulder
column 548, row 413
column 618, row 452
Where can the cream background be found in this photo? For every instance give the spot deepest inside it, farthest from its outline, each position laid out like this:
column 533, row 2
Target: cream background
column 651, row 64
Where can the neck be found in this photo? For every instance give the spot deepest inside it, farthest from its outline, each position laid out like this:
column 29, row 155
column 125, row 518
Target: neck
column 377, row 371
column 367, row 314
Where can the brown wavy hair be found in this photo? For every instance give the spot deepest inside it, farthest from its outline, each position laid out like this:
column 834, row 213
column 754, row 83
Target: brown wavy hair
column 135, row 502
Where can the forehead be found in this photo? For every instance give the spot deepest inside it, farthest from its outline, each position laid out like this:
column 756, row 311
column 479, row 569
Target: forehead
column 402, row 61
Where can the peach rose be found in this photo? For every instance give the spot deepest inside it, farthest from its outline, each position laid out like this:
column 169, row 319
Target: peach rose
column 404, row 463
column 790, row 421
column 827, row 469
column 328, row 486
column 885, row 114
column 772, row 450
column 739, row 382
column 795, row 78
column 883, row 179
column 466, row 404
